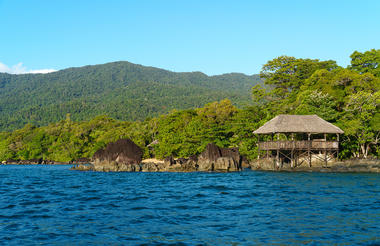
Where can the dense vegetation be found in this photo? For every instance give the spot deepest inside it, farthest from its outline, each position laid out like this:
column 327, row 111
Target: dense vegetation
column 348, row 97
column 121, row 90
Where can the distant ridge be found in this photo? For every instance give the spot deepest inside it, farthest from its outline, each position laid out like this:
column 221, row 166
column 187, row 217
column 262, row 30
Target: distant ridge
column 121, row 90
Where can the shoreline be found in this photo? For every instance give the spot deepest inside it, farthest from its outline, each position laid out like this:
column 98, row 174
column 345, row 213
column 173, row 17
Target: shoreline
column 346, row 166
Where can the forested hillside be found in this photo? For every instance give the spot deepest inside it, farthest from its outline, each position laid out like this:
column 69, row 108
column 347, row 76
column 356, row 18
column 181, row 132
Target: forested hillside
column 348, row 97
column 121, row 90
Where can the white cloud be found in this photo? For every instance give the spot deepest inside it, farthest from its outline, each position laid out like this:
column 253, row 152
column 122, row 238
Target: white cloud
column 47, row 70
column 19, row 68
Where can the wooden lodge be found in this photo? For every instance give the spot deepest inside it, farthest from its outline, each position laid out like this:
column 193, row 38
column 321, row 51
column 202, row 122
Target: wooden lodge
column 295, row 139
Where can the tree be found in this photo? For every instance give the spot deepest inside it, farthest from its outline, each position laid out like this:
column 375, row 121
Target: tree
column 319, row 103
column 360, row 111
column 286, row 74
column 367, row 62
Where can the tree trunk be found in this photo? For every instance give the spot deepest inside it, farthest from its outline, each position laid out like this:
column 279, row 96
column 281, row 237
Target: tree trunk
column 364, row 150
column 367, row 149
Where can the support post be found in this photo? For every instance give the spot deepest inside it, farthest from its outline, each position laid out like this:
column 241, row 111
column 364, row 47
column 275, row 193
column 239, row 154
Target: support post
column 337, row 152
column 325, row 150
column 292, row 153
column 258, row 146
column 278, row 158
column 278, row 150
column 309, row 148
column 292, row 158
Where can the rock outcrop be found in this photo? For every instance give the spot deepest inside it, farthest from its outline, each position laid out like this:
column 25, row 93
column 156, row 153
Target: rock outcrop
column 353, row 165
column 124, row 155
column 123, row 151
column 219, row 159
column 82, row 160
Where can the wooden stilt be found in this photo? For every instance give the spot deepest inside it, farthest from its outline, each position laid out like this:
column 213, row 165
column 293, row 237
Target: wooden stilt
column 258, row 147
column 278, row 150
column 292, row 152
column 325, row 151
column 308, row 149
column 292, row 158
column 278, row 158
column 337, row 153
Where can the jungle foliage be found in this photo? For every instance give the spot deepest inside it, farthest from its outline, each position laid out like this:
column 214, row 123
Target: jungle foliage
column 348, row 97
column 122, row 90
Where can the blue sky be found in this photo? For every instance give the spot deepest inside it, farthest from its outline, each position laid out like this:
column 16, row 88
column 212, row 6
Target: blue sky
column 213, row 37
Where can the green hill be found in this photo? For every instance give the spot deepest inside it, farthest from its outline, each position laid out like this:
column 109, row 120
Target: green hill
column 121, row 90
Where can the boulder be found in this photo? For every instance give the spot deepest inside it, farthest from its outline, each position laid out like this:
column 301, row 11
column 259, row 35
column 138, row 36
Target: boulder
column 245, row 163
column 232, row 153
column 225, row 164
column 47, row 162
column 168, row 161
column 190, row 165
column 82, row 160
column 219, row 159
column 122, row 151
column 12, row 161
column 122, row 155
column 128, row 167
column 211, row 153
column 35, row 161
column 149, row 167
column 181, row 161
column 193, row 158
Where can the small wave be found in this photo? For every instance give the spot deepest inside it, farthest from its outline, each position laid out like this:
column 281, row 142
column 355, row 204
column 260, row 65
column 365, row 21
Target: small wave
column 257, row 208
column 215, row 187
column 9, row 206
column 199, row 195
column 13, row 216
column 28, row 203
column 139, row 208
column 137, row 198
column 89, row 198
column 41, row 216
column 12, row 226
column 147, row 217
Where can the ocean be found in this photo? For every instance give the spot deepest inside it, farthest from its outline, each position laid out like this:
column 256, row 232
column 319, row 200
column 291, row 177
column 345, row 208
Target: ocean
column 52, row 205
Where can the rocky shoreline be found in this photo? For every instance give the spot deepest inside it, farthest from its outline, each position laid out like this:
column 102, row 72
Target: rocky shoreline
column 347, row 166
column 44, row 162
column 213, row 159
column 125, row 156
column 188, row 165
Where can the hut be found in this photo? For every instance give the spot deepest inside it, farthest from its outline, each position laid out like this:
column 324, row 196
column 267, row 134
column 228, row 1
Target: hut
column 298, row 137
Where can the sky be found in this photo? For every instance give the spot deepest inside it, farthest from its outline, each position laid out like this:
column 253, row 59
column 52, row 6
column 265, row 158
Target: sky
column 211, row 36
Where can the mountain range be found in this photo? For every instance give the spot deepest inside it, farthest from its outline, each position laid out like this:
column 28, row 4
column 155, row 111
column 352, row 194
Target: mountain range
column 121, row 90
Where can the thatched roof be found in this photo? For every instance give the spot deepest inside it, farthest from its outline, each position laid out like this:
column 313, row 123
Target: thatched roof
column 297, row 124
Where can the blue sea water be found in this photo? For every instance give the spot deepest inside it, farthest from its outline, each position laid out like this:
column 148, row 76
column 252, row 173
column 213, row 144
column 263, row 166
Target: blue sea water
column 52, row 205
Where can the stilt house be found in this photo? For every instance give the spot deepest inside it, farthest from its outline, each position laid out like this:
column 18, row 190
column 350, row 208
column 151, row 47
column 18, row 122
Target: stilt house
column 295, row 139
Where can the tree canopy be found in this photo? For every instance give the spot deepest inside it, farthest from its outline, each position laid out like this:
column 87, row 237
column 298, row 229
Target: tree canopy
column 348, row 97
column 122, row 90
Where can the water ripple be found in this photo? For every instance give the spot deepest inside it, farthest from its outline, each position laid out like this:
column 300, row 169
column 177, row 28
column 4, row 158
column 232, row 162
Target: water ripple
column 52, row 205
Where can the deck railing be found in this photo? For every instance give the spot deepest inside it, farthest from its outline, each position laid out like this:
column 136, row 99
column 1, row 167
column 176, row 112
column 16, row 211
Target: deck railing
column 305, row 144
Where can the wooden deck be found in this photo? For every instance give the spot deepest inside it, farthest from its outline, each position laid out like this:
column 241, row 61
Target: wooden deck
column 299, row 145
